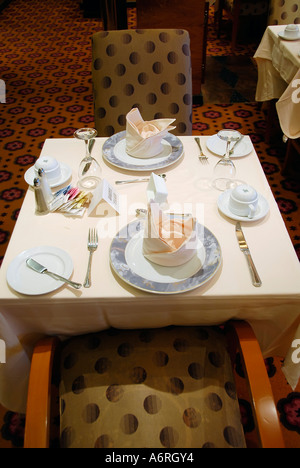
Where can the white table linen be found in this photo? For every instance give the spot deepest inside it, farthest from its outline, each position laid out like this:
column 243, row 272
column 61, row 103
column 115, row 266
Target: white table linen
column 278, row 63
column 273, row 310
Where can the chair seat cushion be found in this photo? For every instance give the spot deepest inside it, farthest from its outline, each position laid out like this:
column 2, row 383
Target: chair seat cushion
column 155, row 388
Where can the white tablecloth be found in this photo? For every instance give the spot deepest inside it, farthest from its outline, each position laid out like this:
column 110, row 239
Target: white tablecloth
column 273, row 310
column 278, row 63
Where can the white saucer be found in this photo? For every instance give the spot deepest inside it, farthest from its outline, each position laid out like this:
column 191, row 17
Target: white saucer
column 223, row 205
column 26, row 281
column 283, row 36
column 66, row 173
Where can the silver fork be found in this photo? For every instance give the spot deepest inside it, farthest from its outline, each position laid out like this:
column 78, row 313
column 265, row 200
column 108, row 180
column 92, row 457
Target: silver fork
column 92, row 246
column 203, row 159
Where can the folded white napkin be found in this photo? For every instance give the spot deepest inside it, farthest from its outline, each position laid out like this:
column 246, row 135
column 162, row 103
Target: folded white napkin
column 168, row 241
column 157, row 189
column 143, row 138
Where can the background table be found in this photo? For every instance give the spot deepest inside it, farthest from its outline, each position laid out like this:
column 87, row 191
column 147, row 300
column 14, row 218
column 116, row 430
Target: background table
column 273, row 310
column 278, row 63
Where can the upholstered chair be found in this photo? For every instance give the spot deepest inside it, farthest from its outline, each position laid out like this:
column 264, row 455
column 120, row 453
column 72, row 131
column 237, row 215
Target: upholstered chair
column 286, row 12
column 154, row 388
column 148, row 69
column 241, row 8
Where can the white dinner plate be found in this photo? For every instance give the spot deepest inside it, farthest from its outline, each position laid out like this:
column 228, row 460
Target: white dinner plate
column 218, row 146
column 261, row 211
column 66, row 173
column 26, row 281
column 129, row 263
column 114, row 152
column 283, row 36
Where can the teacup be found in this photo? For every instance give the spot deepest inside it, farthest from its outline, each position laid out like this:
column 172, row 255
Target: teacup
column 51, row 167
column 243, row 201
column 291, row 31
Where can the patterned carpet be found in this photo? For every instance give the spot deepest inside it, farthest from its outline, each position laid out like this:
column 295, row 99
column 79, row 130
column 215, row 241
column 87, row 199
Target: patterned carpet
column 45, row 61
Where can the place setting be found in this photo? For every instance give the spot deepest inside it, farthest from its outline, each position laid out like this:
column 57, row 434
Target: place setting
column 238, row 200
column 144, row 145
column 40, row 270
column 164, row 253
column 44, row 269
column 226, row 144
column 239, row 145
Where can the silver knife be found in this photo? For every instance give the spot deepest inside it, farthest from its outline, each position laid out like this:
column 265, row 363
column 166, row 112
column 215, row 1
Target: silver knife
column 41, row 269
column 256, row 281
column 139, row 179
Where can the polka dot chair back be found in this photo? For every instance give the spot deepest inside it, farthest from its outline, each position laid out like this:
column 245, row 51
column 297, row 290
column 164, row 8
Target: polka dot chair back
column 147, row 69
column 159, row 388
column 284, row 12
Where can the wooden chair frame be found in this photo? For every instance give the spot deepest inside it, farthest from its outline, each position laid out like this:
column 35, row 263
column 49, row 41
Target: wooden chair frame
column 234, row 17
column 240, row 337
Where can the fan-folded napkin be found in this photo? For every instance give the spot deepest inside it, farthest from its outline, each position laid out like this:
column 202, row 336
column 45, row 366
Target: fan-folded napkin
column 168, row 240
column 144, row 138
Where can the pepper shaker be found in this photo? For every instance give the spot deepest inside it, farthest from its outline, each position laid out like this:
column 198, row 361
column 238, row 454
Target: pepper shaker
column 45, row 186
column 40, row 203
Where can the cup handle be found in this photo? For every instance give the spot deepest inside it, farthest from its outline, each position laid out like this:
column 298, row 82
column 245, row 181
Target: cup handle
column 252, row 210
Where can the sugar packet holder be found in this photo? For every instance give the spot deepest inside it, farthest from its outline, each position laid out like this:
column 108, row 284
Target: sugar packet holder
column 104, row 192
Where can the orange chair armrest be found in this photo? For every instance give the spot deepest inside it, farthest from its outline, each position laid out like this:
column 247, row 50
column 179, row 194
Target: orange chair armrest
column 262, row 398
column 37, row 425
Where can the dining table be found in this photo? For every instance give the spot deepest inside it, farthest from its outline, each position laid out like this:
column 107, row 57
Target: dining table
column 278, row 66
column 131, row 292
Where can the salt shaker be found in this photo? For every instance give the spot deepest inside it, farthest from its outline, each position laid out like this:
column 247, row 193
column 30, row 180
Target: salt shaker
column 40, row 203
column 45, row 186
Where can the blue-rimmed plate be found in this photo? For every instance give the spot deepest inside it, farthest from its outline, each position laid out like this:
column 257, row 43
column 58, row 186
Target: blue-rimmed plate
column 114, row 152
column 128, row 262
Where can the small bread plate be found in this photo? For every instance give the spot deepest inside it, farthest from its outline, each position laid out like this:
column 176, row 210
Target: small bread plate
column 114, row 152
column 129, row 263
column 26, row 281
column 218, row 146
column 261, row 211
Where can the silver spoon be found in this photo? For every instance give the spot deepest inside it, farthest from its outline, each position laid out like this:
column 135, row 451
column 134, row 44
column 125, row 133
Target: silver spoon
column 139, row 179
